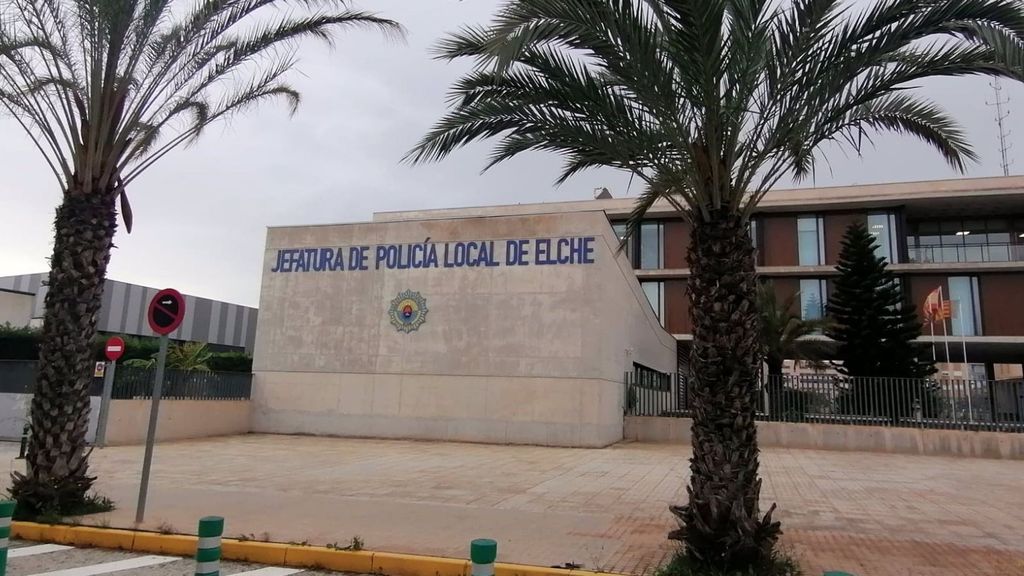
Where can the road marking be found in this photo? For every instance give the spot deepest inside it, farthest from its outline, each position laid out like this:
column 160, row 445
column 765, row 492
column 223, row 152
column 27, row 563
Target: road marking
column 33, row 550
column 108, row 567
column 272, row 571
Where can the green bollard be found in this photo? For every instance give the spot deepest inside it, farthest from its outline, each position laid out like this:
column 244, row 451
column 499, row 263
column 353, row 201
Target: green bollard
column 6, row 511
column 211, row 528
column 482, row 553
column 836, row 573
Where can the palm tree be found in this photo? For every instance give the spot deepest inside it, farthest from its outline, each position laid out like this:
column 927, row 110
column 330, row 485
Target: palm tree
column 784, row 333
column 709, row 104
column 104, row 89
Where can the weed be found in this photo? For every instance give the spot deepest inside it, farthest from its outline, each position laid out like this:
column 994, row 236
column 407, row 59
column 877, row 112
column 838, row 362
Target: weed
column 354, row 545
column 103, row 523
column 265, row 537
column 166, row 528
column 244, row 537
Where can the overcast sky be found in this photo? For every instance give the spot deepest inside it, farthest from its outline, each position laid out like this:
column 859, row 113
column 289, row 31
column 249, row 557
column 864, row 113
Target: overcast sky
column 201, row 214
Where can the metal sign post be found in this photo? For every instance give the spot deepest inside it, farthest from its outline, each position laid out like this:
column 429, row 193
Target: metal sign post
column 113, row 350
column 166, row 311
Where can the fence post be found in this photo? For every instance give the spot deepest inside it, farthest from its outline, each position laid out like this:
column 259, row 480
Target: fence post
column 211, row 528
column 482, row 553
column 6, row 512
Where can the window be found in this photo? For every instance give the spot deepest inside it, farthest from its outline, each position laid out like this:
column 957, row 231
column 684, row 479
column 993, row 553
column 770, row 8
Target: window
column 629, row 248
column 810, row 240
column 655, row 292
column 883, row 227
column 645, row 377
column 966, row 306
column 812, row 298
column 958, row 240
column 652, row 240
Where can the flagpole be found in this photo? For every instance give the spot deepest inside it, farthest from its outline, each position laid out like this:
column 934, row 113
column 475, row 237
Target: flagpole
column 963, row 339
column 945, row 337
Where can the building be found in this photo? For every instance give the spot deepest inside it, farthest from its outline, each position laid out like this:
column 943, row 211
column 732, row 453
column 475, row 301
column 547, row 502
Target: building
column 223, row 325
column 516, row 323
column 16, row 307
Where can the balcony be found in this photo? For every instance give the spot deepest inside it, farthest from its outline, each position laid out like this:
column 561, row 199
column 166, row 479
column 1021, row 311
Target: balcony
column 992, row 252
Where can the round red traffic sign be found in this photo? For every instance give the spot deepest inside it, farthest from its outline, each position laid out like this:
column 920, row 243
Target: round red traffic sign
column 166, row 311
column 114, row 348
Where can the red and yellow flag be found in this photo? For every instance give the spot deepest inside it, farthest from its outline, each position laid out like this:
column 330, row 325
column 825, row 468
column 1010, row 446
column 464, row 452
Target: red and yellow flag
column 935, row 308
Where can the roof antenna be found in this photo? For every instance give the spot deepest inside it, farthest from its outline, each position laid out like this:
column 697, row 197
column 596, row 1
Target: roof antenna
column 1001, row 116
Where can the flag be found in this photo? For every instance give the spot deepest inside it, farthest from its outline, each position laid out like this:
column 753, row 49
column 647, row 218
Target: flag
column 932, row 305
column 935, row 307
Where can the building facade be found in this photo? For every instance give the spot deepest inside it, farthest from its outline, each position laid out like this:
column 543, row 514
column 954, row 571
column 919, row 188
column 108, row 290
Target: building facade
column 363, row 334
column 221, row 324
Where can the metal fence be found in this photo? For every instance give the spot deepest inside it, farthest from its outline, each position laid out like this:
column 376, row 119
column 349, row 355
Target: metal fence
column 135, row 383
column 18, row 377
column 994, row 405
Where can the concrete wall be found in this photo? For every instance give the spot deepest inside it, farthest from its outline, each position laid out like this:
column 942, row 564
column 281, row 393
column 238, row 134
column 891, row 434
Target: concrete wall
column 14, row 410
column 518, row 354
column 179, row 419
column 16, row 308
column 847, row 438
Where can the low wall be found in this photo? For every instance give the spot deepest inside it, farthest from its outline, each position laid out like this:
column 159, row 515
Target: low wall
column 571, row 412
column 961, row 443
column 179, row 419
column 14, row 411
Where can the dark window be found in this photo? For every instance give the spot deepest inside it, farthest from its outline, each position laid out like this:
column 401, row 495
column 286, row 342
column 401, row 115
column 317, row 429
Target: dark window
column 645, row 377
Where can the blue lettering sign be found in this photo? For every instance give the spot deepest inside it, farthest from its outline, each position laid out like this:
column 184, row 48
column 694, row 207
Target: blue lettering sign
column 461, row 254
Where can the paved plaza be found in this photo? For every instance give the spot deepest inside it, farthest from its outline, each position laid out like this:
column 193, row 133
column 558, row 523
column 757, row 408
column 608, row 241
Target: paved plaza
column 869, row 514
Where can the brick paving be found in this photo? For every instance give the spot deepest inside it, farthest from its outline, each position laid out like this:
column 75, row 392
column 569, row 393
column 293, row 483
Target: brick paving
column 866, row 513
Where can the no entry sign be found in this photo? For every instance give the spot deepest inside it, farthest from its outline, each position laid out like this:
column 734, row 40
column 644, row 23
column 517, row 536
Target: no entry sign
column 166, row 311
column 114, row 348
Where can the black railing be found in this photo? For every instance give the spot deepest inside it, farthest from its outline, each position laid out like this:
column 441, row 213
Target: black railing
column 994, row 405
column 992, row 252
column 17, row 376
column 135, row 383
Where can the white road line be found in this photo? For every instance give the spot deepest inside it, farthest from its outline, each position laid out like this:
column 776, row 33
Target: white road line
column 108, row 567
column 33, row 550
column 272, row 571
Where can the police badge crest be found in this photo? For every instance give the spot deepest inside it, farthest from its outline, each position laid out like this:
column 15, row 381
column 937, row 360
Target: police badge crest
column 408, row 311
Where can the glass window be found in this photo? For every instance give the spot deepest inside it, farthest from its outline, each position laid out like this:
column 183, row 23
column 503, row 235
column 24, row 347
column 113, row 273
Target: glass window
column 810, row 239
column 883, row 228
column 965, row 305
column 812, row 299
column 652, row 236
column 655, row 292
column 620, row 233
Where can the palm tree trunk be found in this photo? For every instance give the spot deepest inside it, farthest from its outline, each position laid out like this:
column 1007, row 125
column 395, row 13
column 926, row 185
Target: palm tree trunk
column 722, row 525
column 57, row 479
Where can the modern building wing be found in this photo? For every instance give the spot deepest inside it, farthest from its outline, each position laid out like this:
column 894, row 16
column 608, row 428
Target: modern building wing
column 124, row 312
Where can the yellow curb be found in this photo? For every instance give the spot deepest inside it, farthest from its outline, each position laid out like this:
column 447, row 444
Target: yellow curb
column 173, row 544
column 101, row 537
column 339, row 560
column 362, row 562
column 256, row 552
column 502, row 569
column 408, row 565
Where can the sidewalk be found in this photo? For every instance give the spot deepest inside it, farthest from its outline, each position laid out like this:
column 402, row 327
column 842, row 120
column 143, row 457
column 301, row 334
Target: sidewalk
column 869, row 514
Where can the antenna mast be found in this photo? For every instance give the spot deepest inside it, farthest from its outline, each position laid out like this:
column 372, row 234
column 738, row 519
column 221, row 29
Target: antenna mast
column 1001, row 116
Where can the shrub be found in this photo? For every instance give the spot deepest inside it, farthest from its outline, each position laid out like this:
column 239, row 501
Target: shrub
column 230, row 362
column 18, row 343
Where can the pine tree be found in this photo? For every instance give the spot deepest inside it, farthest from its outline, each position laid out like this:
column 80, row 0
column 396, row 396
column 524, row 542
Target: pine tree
column 875, row 328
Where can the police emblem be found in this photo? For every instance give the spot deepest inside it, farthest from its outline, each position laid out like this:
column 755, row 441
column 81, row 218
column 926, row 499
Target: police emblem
column 408, row 311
